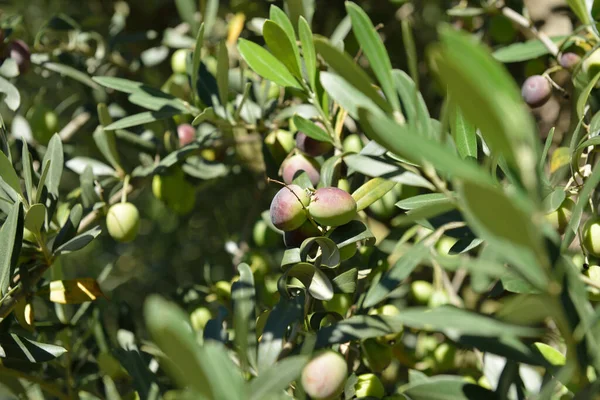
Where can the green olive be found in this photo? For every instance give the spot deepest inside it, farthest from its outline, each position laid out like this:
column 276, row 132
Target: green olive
column 179, row 61
column 43, row 122
column 369, row 385
column 123, row 222
column 199, row 318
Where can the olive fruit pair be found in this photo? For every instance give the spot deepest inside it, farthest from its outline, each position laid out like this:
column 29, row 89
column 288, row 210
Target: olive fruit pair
column 123, row 222
column 328, row 206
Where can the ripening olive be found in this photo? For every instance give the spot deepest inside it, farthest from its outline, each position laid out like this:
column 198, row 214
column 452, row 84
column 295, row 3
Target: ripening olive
column 339, row 303
column 179, row 61
column 288, row 208
column 19, row 51
column 186, row 134
column 297, row 236
column 331, row 206
column 297, row 163
column 369, row 385
column 536, row 91
column 123, row 222
column 591, row 236
column 310, row 146
column 324, row 377
column 569, row 60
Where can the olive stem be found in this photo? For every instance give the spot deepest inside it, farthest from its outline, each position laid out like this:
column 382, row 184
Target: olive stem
column 527, row 25
column 125, row 187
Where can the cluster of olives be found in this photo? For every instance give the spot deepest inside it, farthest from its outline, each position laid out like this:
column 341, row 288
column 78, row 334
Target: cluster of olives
column 297, row 211
column 537, row 89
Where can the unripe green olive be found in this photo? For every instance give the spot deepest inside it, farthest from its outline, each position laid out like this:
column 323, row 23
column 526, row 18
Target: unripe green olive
column 560, row 217
column 593, row 272
column 375, row 355
column 123, row 222
column 287, row 209
column 179, row 61
column 43, row 122
column 385, row 208
column 199, row 318
column 331, row 206
column 340, row 303
column 175, row 191
column 438, row 298
column 280, row 143
column 591, row 236
column 352, row 143
column 444, row 245
column 421, row 291
column 263, row 235
column 344, row 184
column 369, row 385
column 444, row 356
column 388, row 310
column 223, row 290
column 324, row 377
column 591, row 65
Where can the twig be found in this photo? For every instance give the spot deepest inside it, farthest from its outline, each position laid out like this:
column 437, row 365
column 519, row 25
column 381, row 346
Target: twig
column 43, row 384
column 528, row 26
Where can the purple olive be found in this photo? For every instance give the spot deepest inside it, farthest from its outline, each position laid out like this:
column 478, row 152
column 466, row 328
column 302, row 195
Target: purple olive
column 287, row 208
column 186, row 134
column 297, row 163
column 332, row 206
column 297, row 236
column 536, row 91
column 310, row 146
column 569, row 60
column 19, row 51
